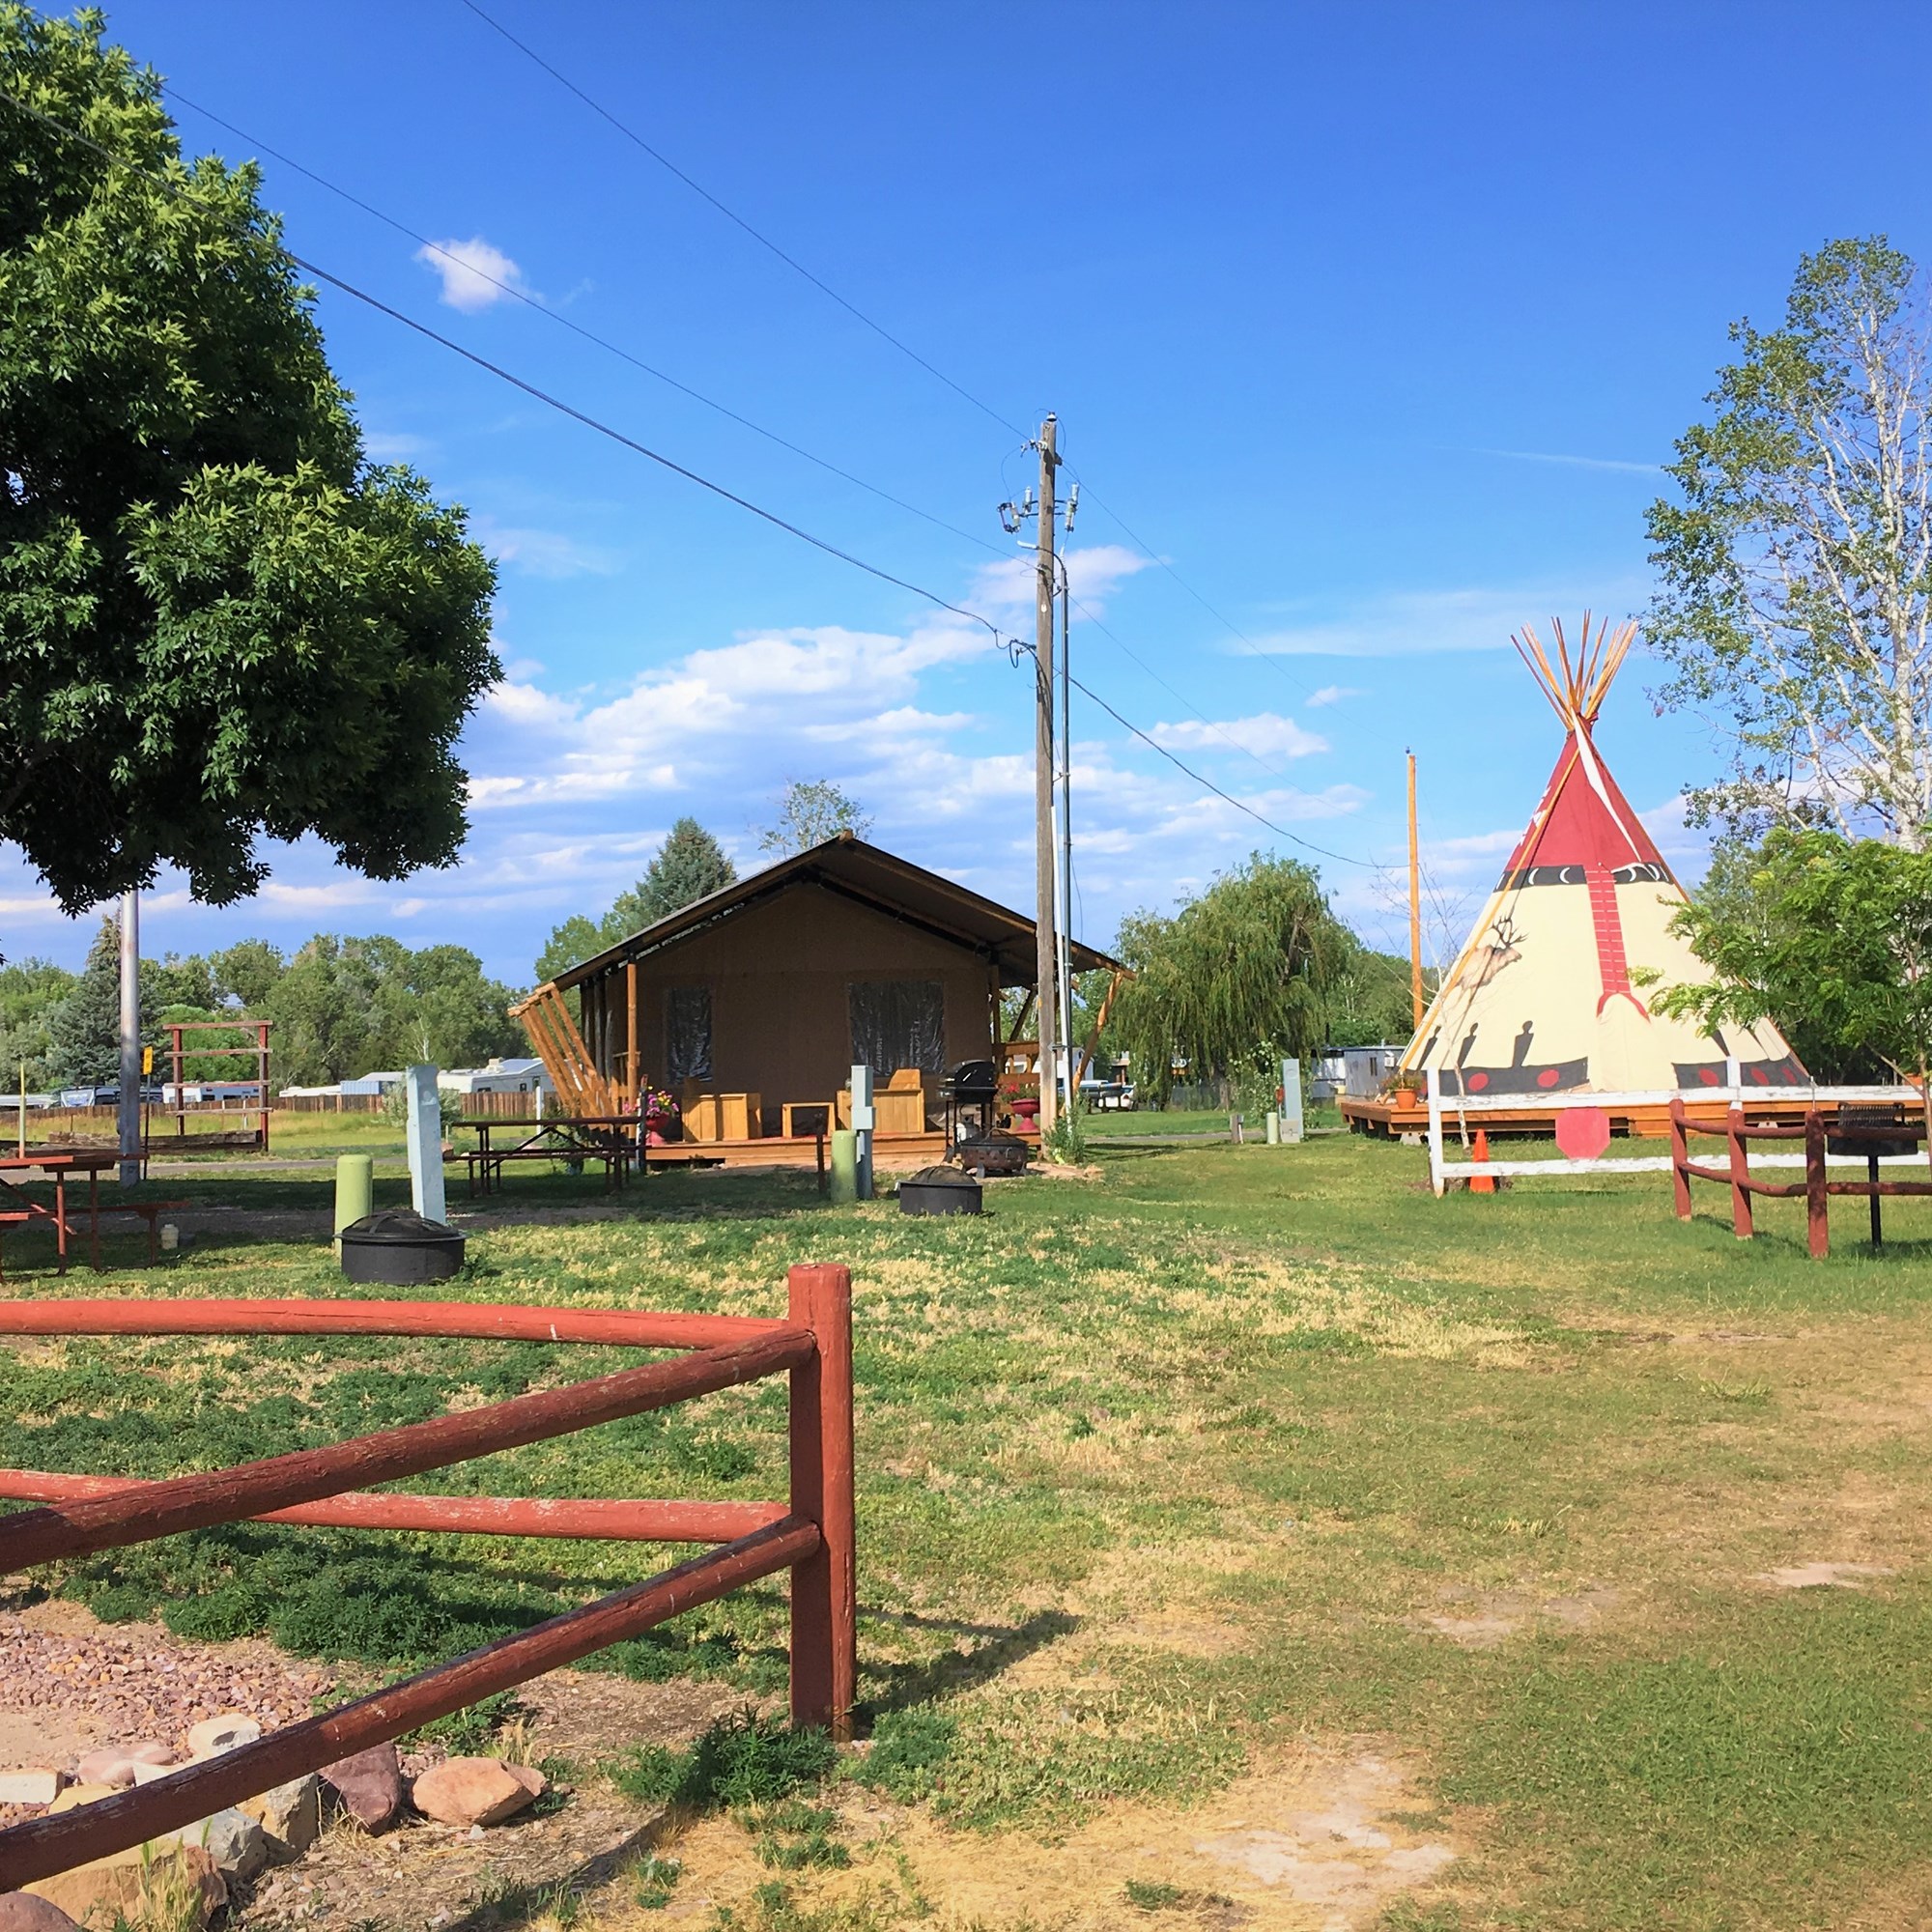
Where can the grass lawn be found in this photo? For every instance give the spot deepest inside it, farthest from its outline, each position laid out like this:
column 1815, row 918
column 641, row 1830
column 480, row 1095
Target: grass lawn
column 1226, row 1491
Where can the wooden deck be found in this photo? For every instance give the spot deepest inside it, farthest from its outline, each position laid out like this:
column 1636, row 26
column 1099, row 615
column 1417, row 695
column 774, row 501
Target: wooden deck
column 1382, row 1116
column 889, row 1151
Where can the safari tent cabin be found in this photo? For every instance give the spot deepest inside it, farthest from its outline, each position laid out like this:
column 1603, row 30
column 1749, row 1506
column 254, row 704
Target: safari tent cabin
column 767, row 993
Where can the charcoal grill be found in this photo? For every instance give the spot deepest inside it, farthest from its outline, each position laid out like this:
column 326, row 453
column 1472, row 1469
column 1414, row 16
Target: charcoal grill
column 994, row 1152
column 970, row 1091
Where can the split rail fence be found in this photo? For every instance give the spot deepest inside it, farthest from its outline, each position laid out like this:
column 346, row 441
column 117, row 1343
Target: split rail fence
column 1849, row 1126
column 811, row 1534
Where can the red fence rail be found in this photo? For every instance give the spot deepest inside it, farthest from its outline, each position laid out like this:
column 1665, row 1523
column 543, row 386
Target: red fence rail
column 1815, row 1191
column 811, row 1534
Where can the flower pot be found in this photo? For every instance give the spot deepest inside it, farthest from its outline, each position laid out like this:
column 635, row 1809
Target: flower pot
column 1404, row 1097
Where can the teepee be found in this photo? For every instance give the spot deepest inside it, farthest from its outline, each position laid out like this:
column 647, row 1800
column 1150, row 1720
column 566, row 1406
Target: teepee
column 1544, row 998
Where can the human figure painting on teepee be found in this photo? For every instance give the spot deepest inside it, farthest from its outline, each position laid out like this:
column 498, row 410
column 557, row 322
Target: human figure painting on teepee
column 1547, row 995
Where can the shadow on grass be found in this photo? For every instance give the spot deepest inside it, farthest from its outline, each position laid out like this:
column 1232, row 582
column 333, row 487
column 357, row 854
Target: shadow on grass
column 954, row 1671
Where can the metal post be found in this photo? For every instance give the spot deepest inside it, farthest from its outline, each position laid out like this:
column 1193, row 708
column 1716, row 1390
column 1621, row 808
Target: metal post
column 129, row 1111
column 864, row 1117
column 425, row 1142
column 1291, row 1126
column 1045, row 867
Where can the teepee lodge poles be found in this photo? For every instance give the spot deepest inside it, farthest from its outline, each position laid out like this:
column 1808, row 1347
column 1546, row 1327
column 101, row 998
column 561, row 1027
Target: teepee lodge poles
column 1577, row 695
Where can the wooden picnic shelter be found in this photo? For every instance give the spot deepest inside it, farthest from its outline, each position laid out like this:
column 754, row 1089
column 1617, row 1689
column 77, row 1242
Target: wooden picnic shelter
column 751, row 1005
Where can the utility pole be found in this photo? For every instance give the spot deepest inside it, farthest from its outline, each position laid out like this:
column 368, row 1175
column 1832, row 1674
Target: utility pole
column 1046, row 963
column 1414, row 904
column 129, row 1111
column 1064, row 959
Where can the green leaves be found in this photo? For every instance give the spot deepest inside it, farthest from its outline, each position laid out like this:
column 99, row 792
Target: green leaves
column 216, row 621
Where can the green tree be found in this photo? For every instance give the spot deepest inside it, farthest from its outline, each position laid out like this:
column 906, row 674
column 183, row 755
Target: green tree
column 218, row 620
column 30, row 989
column 1369, row 1000
column 248, row 970
column 812, row 810
column 1233, row 981
column 690, row 865
column 1829, row 937
column 84, row 1030
column 1797, row 567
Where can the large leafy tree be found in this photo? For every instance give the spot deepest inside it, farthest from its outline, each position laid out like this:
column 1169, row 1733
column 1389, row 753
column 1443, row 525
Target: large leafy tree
column 1234, row 979
column 84, row 1030
column 218, row 620
column 1796, row 565
column 1828, row 936
column 812, row 810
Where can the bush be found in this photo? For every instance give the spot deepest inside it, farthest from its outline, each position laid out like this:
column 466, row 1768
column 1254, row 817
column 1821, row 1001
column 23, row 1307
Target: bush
column 745, row 1760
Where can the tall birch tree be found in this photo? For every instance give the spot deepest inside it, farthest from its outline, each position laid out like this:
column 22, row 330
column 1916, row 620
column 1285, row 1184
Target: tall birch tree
column 1796, row 611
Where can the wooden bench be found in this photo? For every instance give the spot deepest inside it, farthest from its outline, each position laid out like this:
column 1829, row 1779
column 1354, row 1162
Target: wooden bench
column 148, row 1211
column 489, row 1162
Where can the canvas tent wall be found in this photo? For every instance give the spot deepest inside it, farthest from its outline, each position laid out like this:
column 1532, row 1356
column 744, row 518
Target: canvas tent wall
column 1556, row 990
column 778, row 984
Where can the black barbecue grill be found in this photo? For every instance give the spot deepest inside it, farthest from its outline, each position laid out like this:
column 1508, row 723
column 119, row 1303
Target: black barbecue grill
column 970, row 1091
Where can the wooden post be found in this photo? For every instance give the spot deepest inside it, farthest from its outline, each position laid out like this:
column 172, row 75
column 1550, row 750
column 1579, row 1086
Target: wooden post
column 1817, row 1225
column 1679, row 1155
column 824, row 1607
column 632, row 1030
column 1414, row 904
column 1740, row 1203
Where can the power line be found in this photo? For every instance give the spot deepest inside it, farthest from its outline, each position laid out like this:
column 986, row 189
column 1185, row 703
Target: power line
column 1014, row 646
column 543, row 396
column 732, row 216
column 575, row 327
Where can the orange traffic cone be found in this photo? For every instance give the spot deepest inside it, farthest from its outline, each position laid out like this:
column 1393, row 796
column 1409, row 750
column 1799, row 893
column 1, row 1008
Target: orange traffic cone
column 1482, row 1184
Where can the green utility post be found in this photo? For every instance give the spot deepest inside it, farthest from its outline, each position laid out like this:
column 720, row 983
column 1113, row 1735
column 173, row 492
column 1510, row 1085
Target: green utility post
column 844, row 1165
column 354, row 1184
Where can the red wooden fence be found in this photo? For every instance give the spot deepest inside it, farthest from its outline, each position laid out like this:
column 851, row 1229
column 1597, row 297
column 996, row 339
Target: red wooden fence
column 811, row 1534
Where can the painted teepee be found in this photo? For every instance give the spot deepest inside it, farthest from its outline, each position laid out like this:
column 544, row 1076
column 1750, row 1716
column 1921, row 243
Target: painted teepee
column 1543, row 998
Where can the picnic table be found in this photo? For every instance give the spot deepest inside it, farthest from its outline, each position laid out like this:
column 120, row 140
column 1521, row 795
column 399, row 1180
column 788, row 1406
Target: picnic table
column 18, row 1210
column 608, row 1138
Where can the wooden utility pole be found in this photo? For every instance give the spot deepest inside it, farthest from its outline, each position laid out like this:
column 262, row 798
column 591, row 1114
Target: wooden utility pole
column 1045, row 945
column 1414, row 904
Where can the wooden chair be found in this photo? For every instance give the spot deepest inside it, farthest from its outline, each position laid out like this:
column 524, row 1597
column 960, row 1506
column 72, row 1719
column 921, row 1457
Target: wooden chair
column 898, row 1107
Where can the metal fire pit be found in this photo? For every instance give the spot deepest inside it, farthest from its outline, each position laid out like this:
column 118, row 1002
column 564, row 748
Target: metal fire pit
column 397, row 1246
column 997, row 1153
column 939, row 1190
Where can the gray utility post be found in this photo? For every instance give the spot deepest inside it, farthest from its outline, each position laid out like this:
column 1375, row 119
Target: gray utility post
column 1045, row 950
column 864, row 1118
column 129, row 1111
column 1291, row 1128
column 425, row 1142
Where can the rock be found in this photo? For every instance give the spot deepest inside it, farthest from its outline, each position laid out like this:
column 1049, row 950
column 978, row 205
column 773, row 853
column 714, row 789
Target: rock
column 121, row 1886
column 76, row 1795
column 215, row 1735
column 145, row 1771
column 22, row 1912
column 232, row 1839
column 153, row 1753
column 108, row 1766
column 475, row 1790
column 370, row 1785
column 29, row 1787
column 291, row 1815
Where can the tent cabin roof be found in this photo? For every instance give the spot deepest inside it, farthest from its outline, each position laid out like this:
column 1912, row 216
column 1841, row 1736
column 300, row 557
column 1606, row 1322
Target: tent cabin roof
column 849, row 869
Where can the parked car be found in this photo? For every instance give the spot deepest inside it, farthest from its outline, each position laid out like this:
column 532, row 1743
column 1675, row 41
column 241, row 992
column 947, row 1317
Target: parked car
column 1113, row 1095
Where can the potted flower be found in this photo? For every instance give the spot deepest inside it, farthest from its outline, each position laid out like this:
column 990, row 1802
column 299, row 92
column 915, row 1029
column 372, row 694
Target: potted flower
column 1400, row 1086
column 661, row 1123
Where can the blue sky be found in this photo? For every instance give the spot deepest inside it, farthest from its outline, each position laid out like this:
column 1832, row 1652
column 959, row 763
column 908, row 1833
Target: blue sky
column 1371, row 323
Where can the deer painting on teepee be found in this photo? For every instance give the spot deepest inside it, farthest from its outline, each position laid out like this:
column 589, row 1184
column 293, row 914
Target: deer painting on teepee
column 1547, row 995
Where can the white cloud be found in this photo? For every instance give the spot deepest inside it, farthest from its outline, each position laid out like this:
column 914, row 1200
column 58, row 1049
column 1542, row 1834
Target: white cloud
column 1332, row 694
column 549, row 553
column 383, row 447
column 1575, row 461
column 1408, row 623
column 1266, row 734
column 474, row 274
column 1094, row 570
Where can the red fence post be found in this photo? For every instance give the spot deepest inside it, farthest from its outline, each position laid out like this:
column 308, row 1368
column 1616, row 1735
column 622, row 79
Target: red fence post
column 1741, row 1202
column 824, row 1587
column 1680, row 1153
column 1817, row 1220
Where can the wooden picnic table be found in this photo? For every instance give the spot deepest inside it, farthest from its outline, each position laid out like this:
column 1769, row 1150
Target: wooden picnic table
column 18, row 1210
column 610, row 1138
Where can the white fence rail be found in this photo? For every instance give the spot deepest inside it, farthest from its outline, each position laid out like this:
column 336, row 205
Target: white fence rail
column 1442, row 1171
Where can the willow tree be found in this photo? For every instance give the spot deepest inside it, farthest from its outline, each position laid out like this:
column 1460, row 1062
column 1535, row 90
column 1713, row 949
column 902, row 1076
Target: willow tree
column 1797, row 559
column 1233, row 981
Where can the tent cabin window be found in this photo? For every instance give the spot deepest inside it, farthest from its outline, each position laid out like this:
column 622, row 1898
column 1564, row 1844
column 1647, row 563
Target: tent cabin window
column 687, row 1034
column 898, row 1023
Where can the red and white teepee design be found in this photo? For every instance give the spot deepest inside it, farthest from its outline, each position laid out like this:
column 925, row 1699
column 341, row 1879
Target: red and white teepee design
column 1543, row 999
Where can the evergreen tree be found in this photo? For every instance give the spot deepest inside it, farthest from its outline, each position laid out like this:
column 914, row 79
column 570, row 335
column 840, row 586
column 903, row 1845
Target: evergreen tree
column 690, row 865
column 84, row 1030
